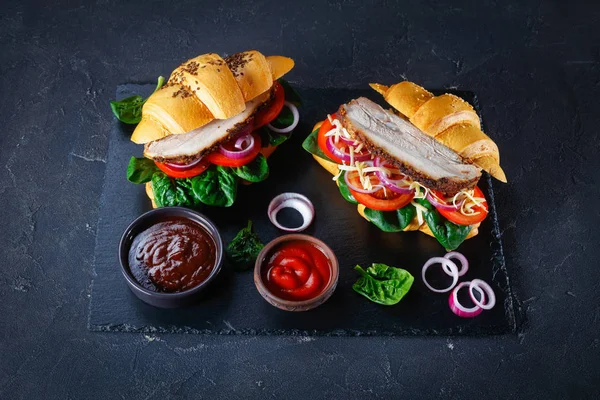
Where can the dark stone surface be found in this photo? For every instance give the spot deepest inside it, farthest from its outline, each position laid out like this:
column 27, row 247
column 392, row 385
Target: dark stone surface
column 534, row 65
column 232, row 305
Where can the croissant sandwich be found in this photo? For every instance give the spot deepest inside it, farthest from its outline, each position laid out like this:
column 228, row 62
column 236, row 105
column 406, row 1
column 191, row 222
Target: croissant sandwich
column 417, row 169
column 213, row 125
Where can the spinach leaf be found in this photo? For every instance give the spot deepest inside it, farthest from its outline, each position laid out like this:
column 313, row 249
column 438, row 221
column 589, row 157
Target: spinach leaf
column 244, row 248
column 140, row 170
column 217, row 186
column 383, row 271
column 129, row 110
column 290, row 93
column 383, row 284
column 311, row 145
column 343, row 186
column 172, row 192
column 285, row 118
column 392, row 221
column 256, row 171
column 270, row 138
column 449, row 234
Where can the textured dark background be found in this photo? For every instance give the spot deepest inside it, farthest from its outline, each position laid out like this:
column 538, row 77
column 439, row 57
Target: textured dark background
column 535, row 67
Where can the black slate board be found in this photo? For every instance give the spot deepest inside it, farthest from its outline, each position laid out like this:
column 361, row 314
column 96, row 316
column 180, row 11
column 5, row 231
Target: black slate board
column 233, row 306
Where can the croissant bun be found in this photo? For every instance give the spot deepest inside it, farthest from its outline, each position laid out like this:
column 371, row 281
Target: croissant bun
column 205, row 88
column 449, row 119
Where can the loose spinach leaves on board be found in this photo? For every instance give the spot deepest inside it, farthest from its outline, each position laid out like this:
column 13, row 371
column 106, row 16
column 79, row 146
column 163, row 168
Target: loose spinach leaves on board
column 140, row 170
column 311, row 145
column 392, row 221
column 383, row 284
column 244, row 248
column 449, row 234
column 129, row 110
column 256, row 171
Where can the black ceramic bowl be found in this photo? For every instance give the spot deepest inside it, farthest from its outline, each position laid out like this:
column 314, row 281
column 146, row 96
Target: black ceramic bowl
column 143, row 222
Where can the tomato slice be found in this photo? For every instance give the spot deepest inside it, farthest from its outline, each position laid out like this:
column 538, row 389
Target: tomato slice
column 459, row 218
column 270, row 112
column 267, row 151
column 326, row 126
column 219, row 159
column 380, row 200
column 322, row 139
column 187, row 173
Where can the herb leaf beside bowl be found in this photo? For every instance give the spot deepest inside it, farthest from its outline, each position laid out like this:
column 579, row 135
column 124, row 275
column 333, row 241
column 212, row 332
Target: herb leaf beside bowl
column 244, row 248
column 383, row 284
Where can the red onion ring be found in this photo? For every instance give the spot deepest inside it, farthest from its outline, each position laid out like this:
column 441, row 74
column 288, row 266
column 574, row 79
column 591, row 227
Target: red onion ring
column 355, row 188
column 453, row 273
column 458, row 308
column 296, row 201
column 184, row 167
column 242, row 141
column 344, row 139
column 442, row 205
column 343, row 155
column 349, row 141
column 482, row 286
column 391, row 184
column 290, row 128
column 464, row 263
column 236, row 155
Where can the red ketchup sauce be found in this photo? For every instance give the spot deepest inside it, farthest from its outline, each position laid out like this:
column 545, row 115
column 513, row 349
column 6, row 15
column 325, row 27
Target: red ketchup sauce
column 172, row 256
column 296, row 270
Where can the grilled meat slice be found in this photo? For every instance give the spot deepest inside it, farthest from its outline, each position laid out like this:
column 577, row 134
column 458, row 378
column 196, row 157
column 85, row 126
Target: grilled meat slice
column 401, row 143
column 189, row 146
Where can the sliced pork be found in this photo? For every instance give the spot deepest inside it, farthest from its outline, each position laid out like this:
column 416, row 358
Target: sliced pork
column 189, row 146
column 412, row 151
